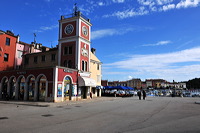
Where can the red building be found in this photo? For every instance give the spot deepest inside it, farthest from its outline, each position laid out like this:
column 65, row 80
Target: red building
column 7, row 50
column 58, row 74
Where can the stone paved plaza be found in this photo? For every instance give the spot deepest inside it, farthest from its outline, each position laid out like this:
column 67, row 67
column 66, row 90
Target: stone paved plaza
column 102, row 115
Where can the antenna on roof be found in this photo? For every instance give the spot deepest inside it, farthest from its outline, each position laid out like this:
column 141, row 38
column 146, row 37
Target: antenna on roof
column 34, row 34
column 51, row 44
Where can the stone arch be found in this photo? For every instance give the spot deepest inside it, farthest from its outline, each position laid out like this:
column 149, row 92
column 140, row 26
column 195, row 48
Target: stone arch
column 3, row 87
column 41, row 88
column 12, row 87
column 30, row 88
column 20, row 87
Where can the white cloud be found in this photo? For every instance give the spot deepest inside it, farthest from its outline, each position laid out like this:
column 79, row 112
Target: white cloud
column 45, row 28
column 109, row 32
column 147, row 6
column 168, row 7
column 47, row 0
column 158, row 43
column 101, row 3
column 129, row 13
column 130, row 77
column 180, row 65
column 188, row 3
column 102, row 33
column 146, row 2
column 118, row 1
column 162, row 2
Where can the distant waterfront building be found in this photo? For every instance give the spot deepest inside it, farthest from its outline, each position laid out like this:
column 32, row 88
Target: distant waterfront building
column 135, row 83
column 117, row 83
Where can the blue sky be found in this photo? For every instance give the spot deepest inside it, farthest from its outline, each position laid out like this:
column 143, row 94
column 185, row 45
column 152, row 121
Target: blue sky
column 133, row 38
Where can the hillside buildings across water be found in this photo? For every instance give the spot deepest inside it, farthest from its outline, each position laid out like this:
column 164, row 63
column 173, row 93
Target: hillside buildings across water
column 33, row 72
column 147, row 84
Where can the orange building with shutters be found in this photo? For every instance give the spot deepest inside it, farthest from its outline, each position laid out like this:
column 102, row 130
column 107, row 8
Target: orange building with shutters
column 7, row 50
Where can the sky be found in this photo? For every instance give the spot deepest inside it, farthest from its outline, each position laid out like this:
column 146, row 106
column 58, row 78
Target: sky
column 146, row 39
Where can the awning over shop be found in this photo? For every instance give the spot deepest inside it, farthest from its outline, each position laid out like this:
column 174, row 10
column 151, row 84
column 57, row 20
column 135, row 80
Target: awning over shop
column 84, row 81
column 99, row 87
column 118, row 87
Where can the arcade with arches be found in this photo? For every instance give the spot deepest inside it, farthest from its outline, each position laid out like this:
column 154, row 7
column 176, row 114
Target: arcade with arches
column 30, row 88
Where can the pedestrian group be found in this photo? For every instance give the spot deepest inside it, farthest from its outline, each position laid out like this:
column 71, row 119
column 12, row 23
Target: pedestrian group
column 143, row 94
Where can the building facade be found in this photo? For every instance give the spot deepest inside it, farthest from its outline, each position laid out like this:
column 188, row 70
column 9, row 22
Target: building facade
column 7, row 50
column 135, row 83
column 59, row 74
column 95, row 68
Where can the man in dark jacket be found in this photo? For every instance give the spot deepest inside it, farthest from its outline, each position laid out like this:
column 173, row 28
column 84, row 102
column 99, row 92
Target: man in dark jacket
column 139, row 94
column 144, row 94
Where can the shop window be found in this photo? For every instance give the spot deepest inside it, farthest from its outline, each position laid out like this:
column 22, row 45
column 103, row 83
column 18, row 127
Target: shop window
column 6, row 56
column 7, row 41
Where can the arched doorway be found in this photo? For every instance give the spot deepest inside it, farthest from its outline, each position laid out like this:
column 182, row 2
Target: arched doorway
column 30, row 88
column 12, row 88
column 67, row 88
column 41, row 88
column 4, row 88
column 19, row 95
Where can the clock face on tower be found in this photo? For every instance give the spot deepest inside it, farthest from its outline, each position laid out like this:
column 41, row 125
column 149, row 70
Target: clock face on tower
column 69, row 29
column 85, row 30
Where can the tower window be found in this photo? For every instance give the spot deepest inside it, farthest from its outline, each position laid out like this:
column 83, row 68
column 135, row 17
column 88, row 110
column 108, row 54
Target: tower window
column 84, row 65
column 68, row 50
column 68, row 63
column 6, row 57
column 7, row 41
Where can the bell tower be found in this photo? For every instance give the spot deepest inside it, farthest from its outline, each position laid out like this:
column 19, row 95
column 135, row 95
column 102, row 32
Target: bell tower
column 74, row 41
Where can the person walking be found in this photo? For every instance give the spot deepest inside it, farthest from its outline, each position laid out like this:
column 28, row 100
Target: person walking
column 139, row 94
column 144, row 94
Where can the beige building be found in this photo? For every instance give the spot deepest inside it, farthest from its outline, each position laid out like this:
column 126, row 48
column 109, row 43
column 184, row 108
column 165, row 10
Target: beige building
column 135, row 83
column 41, row 59
column 95, row 69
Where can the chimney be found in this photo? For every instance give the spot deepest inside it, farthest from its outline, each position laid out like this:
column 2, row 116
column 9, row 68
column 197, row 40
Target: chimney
column 10, row 32
column 93, row 50
column 18, row 38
